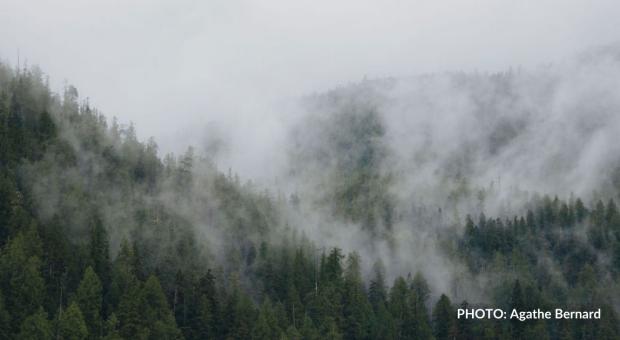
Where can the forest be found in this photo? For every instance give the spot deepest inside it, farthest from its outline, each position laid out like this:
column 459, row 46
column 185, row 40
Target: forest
column 101, row 237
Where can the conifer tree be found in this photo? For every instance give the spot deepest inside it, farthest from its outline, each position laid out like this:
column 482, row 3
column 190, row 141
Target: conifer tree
column 156, row 313
column 357, row 311
column 71, row 325
column 266, row 326
column 444, row 319
column 20, row 276
column 88, row 298
column 35, row 327
column 5, row 319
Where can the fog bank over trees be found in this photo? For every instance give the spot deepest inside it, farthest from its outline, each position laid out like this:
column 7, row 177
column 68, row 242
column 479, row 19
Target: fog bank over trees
column 394, row 201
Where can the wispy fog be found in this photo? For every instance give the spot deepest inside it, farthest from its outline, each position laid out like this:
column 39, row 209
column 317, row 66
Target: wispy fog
column 235, row 68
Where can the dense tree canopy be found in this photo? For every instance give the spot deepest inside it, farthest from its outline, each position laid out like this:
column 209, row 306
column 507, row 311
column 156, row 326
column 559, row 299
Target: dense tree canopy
column 94, row 244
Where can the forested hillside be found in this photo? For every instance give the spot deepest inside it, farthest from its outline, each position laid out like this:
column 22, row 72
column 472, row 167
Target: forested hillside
column 103, row 238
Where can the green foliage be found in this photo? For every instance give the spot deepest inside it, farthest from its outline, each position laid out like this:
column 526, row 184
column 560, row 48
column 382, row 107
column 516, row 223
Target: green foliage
column 20, row 276
column 444, row 325
column 89, row 300
column 156, row 313
column 36, row 326
column 111, row 328
column 92, row 227
column 357, row 311
column 71, row 325
column 5, row 319
column 266, row 326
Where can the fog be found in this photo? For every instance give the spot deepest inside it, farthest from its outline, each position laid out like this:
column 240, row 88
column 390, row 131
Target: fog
column 179, row 70
column 515, row 98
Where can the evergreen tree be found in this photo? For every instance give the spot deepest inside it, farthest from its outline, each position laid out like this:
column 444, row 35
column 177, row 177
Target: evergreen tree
column 418, row 298
column 357, row 311
column 130, row 313
column 400, row 308
column 71, row 325
column 111, row 328
column 156, row 313
column 206, row 322
column 124, row 273
column 444, row 319
column 309, row 331
column 99, row 251
column 5, row 319
column 464, row 326
column 35, row 327
column 20, row 276
column 266, row 326
column 292, row 333
column 377, row 294
column 88, row 298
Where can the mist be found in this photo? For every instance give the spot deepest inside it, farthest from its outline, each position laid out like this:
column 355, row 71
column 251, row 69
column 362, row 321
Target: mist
column 472, row 142
column 471, row 119
column 174, row 69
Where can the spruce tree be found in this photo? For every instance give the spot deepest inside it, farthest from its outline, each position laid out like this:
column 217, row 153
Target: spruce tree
column 88, row 298
column 444, row 319
column 71, row 325
column 35, row 327
column 156, row 313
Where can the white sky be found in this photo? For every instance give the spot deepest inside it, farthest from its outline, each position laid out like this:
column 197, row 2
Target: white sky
column 174, row 66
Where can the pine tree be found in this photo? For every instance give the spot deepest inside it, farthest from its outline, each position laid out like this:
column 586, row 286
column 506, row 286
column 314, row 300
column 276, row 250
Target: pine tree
column 331, row 331
column 20, row 276
column 7, row 197
column 206, row 322
column 382, row 324
column 111, row 328
column 156, row 312
column 241, row 315
column 308, row 330
column 377, row 294
column 5, row 319
column 47, row 128
column 88, row 298
column 357, row 311
column 517, row 302
column 399, row 307
column 35, row 327
column 418, row 296
column 123, row 274
column 294, row 308
column 292, row 333
column 71, row 325
column 130, row 313
column 99, row 251
column 444, row 319
column 266, row 326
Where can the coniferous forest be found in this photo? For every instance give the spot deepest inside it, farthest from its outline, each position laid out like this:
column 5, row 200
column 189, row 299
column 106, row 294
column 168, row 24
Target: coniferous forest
column 102, row 237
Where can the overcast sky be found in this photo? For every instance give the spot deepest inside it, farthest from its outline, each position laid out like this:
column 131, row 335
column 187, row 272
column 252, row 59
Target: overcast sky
column 172, row 67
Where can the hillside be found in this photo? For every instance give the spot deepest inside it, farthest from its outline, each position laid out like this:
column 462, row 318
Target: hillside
column 383, row 236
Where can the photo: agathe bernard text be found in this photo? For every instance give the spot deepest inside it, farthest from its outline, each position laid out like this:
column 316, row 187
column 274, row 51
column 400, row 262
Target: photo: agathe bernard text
column 534, row 314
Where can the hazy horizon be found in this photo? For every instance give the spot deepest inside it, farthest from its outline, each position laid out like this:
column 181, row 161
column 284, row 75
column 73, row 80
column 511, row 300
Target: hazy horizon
column 180, row 70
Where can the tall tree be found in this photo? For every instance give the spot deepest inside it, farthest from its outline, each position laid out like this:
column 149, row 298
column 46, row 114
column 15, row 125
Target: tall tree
column 444, row 319
column 156, row 313
column 71, row 325
column 20, row 276
column 266, row 326
column 100, row 250
column 88, row 298
column 5, row 319
column 35, row 327
column 356, row 308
